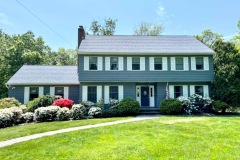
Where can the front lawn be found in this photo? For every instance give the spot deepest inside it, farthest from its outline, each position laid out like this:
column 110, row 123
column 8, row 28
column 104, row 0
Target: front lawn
column 161, row 138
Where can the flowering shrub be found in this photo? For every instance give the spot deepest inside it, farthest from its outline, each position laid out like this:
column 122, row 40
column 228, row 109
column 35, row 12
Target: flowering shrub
column 113, row 103
column 100, row 104
column 79, row 111
column 87, row 105
column 6, row 118
column 27, row 117
column 63, row 114
column 9, row 102
column 17, row 114
column 63, row 103
column 95, row 112
column 43, row 114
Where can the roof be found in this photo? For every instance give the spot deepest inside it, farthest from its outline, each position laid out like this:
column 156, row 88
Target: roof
column 44, row 75
column 143, row 44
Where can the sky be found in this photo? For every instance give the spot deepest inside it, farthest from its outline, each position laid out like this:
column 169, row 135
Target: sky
column 57, row 21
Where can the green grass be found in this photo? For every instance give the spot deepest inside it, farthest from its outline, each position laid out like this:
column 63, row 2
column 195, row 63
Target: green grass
column 33, row 128
column 161, row 138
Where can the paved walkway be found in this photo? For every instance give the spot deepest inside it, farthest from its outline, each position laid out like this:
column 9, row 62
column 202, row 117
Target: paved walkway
column 50, row 133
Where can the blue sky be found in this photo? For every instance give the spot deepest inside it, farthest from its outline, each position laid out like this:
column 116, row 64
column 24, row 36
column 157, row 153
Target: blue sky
column 179, row 17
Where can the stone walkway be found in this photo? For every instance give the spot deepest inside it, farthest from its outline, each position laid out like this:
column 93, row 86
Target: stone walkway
column 50, row 133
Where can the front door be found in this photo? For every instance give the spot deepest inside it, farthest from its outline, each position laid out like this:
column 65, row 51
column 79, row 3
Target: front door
column 145, row 96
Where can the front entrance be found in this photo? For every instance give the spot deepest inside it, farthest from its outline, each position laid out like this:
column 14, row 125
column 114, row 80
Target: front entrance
column 145, row 95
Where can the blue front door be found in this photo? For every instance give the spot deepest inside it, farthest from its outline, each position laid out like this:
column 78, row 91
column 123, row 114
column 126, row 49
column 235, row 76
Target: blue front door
column 144, row 96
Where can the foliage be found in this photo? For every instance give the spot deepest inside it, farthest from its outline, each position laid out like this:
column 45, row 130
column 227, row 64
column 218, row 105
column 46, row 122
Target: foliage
column 100, row 103
column 170, row 106
column 107, row 29
column 95, row 112
column 27, row 117
column 78, row 111
column 129, row 106
column 62, row 57
column 220, row 106
column 149, row 29
column 42, row 101
column 111, row 112
column 88, row 105
column 9, row 102
column 63, row 114
column 44, row 114
column 63, row 103
column 17, row 114
column 113, row 103
column 6, row 118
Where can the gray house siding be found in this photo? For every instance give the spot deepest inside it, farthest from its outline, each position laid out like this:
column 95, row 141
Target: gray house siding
column 16, row 92
column 147, row 75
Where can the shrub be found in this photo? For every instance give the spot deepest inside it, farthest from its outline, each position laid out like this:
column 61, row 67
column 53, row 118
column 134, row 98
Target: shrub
column 111, row 112
column 63, row 114
column 6, row 118
column 43, row 114
column 17, row 114
column 42, row 101
column 129, row 106
column 78, row 111
column 9, row 102
column 95, row 112
column 100, row 104
column 63, row 103
column 23, row 108
column 170, row 106
column 220, row 106
column 27, row 117
column 113, row 103
column 87, row 105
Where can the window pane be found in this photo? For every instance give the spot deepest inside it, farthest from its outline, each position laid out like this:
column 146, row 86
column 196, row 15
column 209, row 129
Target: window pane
column 199, row 90
column 93, row 63
column 158, row 63
column 33, row 93
column 113, row 92
column 179, row 63
column 92, row 93
column 114, row 63
column 135, row 63
column 199, row 63
column 178, row 91
column 59, row 91
column 136, row 60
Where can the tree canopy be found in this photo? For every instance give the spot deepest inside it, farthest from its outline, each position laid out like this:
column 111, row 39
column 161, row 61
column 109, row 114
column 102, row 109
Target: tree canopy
column 149, row 29
column 108, row 28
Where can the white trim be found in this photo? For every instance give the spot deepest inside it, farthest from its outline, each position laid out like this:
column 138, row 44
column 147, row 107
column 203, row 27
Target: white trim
column 129, row 63
column 40, row 91
column 185, row 90
column 99, row 93
column 171, row 91
column 26, row 94
column 192, row 90
column 120, row 92
column 84, row 93
column 52, row 91
column 205, row 90
column 151, row 63
column 173, row 64
column 193, row 63
column 151, row 99
column 106, row 94
column 206, row 63
column 100, row 63
column 120, row 63
column 185, row 64
column 138, row 98
column 107, row 63
column 86, row 63
column 164, row 64
column 142, row 63
column 65, row 92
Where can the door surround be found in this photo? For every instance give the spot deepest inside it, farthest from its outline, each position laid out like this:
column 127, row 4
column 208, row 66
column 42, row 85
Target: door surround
column 151, row 95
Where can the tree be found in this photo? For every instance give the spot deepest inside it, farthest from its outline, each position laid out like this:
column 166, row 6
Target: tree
column 149, row 29
column 236, row 39
column 62, row 57
column 107, row 29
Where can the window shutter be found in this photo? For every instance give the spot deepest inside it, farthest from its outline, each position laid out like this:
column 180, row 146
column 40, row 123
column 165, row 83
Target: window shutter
column 26, row 94
column 173, row 64
column 206, row 63
column 84, row 93
column 205, row 90
column 164, row 64
column 86, row 63
column 100, row 63
column 40, row 91
column 66, row 92
column 129, row 63
column 151, row 63
column 171, row 91
column 106, row 94
column 193, row 63
column 142, row 63
column 52, row 91
column 120, row 92
column 107, row 63
column 99, row 93
column 192, row 90
column 120, row 63
column 185, row 63
column 185, row 91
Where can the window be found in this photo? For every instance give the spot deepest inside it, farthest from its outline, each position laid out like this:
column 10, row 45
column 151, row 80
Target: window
column 93, row 63
column 113, row 92
column 179, row 63
column 158, row 63
column 178, row 91
column 114, row 63
column 199, row 90
column 59, row 91
column 33, row 93
column 199, row 63
column 135, row 63
column 92, row 94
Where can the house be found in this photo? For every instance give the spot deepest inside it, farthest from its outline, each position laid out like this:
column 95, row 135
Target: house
column 117, row 67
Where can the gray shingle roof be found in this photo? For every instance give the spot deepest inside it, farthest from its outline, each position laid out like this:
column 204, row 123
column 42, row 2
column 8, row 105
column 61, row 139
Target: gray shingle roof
column 37, row 74
column 143, row 44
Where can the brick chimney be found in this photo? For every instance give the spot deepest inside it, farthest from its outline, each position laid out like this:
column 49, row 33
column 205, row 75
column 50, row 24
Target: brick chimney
column 81, row 35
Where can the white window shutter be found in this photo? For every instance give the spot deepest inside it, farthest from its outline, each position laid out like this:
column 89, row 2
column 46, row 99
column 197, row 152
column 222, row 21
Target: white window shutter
column 26, row 94
column 185, row 91
column 142, row 63
column 164, row 64
column 40, row 91
column 66, row 92
column 206, row 63
column 107, row 63
column 129, row 63
column 193, row 63
column 120, row 63
column 185, row 62
column 52, row 91
column 120, row 92
column 173, row 64
column 205, row 90
column 192, row 90
column 151, row 63
column 106, row 94
column 99, row 93
column 100, row 63
column 86, row 63
column 171, row 91
column 84, row 93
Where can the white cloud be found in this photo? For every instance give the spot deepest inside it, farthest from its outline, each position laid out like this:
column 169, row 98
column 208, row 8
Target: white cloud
column 161, row 11
column 4, row 19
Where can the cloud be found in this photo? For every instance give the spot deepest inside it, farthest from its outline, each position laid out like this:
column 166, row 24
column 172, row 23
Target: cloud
column 4, row 19
column 161, row 11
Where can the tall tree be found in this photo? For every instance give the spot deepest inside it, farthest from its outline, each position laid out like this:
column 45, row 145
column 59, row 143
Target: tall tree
column 149, row 29
column 62, row 57
column 108, row 28
column 236, row 39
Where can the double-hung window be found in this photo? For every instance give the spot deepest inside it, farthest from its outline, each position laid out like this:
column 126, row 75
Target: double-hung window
column 178, row 91
column 114, row 63
column 179, row 63
column 33, row 93
column 113, row 92
column 136, row 63
column 92, row 94
column 59, row 91
column 157, row 63
column 93, row 63
column 199, row 63
column 199, row 90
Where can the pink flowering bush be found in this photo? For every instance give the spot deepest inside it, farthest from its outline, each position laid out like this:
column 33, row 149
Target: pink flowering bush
column 63, row 103
column 9, row 102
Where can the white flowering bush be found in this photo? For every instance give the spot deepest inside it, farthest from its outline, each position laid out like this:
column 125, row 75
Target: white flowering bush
column 63, row 114
column 43, row 114
column 95, row 112
column 17, row 114
column 100, row 103
column 113, row 103
column 88, row 105
column 78, row 111
column 6, row 118
column 27, row 117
